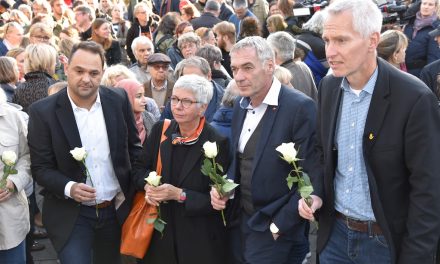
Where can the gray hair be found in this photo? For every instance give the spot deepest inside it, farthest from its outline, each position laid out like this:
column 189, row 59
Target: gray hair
column 240, row 4
column 315, row 23
column 196, row 62
column 114, row 71
column 231, row 93
column 367, row 18
column 259, row 44
column 188, row 37
column 211, row 53
column 212, row 5
column 199, row 86
column 283, row 44
column 140, row 40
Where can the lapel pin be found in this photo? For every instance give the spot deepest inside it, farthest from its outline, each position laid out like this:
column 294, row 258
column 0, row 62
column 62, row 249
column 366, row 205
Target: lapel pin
column 371, row 136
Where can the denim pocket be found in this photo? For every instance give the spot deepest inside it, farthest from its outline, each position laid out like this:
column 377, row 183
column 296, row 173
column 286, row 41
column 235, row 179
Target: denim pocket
column 380, row 240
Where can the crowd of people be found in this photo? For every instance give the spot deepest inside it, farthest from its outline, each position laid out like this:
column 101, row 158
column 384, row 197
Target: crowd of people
column 359, row 99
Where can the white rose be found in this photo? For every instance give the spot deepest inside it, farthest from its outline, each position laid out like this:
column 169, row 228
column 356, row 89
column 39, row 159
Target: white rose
column 153, row 179
column 288, row 151
column 79, row 154
column 9, row 158
column 210, row 149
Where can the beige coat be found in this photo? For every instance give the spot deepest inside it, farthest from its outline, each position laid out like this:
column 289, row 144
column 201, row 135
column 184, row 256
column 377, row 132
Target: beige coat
column 14, row 212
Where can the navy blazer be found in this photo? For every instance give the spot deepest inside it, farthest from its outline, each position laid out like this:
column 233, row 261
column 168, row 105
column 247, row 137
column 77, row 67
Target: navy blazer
column 401, row 146
column 293, row 120
column 53, row 133
column 3, row 49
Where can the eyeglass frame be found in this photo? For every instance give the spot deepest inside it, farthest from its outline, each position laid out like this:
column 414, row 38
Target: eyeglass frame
column 41, row 38
column 185, row 102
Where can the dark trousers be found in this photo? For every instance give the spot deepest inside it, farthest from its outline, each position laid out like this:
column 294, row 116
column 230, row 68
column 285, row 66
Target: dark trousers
column 93, row 238
column 261, row 248
column 33, row 208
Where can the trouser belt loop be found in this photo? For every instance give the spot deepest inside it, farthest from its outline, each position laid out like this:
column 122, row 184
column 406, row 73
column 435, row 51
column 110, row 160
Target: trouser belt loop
column 370, row 229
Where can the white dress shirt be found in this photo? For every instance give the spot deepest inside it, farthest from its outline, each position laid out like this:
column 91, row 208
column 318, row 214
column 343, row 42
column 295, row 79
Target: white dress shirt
column 254, row 115
column 93, row 132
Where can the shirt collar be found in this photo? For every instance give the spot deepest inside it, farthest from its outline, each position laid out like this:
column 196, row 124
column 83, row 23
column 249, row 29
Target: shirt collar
column 7, row 44
column 75, row 107
column 369, row 86
column 159, row 88
column 271, row 96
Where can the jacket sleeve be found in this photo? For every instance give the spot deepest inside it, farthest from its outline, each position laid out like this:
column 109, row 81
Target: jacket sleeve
column 422, row 147
column 130, row 37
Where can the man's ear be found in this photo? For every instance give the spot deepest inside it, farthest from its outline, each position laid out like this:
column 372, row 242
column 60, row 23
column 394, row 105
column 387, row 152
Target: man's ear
column 374, row 41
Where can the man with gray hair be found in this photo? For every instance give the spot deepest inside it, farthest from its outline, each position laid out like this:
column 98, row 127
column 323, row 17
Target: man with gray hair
column 267, row 115
column 142, row 48
column 378, row 139
column 209, row 17
column 199, row 66
column 283, row 45
column 241, row 11
column 214, row 56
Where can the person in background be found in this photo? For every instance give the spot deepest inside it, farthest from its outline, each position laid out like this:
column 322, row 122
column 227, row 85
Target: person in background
column 144, row 119
column 188, row 43
column 120, row 29
column 226, row 38
column 19, row 55
column 283, row 45
column 189, row 12
column 101, row 34
column 183, row 196
column 14, row 209
column 209, row 18
column 213, row 55
column 275, row 23
column 283, row 75
column 83, row 21
column 56, row 87
column 273, row 10
column 8, row 76
column 164, row 35
column 142, row 48
column 422, row 48
column 206, row 36
column 241, row 11
column 286, row 9
column 12, row 36
column 143, row 25
column 392, row 46
column 250, row 26
column 430, row 74
column 223, row 116
column 174, row 52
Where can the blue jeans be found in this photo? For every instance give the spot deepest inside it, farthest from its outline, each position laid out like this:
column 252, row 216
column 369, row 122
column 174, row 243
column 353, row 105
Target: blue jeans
column 93, row 238
column 16, row 255
column 347, row 246
column 261, row 248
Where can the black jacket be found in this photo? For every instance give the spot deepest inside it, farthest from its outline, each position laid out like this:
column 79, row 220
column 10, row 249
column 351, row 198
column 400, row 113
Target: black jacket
column 207, row 20
column 429, row 75
column 113, row 54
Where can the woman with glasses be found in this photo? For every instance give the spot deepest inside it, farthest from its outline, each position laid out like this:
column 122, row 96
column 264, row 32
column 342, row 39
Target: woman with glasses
column 194, row 232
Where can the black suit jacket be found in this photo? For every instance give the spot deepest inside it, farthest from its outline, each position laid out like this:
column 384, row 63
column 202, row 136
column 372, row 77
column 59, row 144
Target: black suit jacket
column 194, row 226
column 401, row 158
column 207, row 19
column 293, row 120
column 53, row 133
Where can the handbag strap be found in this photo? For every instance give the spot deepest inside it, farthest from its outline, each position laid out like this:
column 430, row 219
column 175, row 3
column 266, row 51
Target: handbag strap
column 166, row 124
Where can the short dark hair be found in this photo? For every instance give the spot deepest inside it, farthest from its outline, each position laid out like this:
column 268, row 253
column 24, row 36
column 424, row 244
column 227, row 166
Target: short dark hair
column 91, row 47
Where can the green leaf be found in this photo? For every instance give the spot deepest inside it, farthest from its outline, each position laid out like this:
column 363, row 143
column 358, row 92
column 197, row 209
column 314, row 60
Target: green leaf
column 151, row 220
column 206, row 167
column 220, row 168
column 225, row 176
column 159, row 225
column 13, row 171
column 305, row 191
column 306, row 178
column 229, row 186
column 290, row 181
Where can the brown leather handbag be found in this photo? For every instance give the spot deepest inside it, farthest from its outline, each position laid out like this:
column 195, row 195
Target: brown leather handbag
column 136, row 232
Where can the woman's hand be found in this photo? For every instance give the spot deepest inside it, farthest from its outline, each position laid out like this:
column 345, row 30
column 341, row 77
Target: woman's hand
column 164, row 192
column 148, row 198
column 6, row 193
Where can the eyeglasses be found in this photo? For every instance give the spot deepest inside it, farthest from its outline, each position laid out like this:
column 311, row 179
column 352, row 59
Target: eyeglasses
column 41, row 38
column 186, row 103
column 160, row 66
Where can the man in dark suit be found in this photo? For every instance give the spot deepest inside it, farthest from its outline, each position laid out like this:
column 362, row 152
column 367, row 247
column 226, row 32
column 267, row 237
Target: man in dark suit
column 378, row 138
column 83, row 215
column 266, row 115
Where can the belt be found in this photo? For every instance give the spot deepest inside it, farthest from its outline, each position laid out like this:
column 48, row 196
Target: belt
column 104, row 204
column 360, row 226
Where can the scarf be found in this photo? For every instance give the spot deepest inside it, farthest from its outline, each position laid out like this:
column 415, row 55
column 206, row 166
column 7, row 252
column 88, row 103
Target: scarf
column 421, row 22
column 177, row 139
column 131, row 87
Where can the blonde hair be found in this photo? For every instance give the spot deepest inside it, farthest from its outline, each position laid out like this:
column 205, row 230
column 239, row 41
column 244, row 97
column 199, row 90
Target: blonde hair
column 56, row 87
column 40, row 57
column 40, row 28
column 8, row 67
column 112, row 72
column 283, row 75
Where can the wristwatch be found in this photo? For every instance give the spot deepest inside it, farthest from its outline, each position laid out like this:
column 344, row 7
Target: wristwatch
column 182, row 196
column 274, row 229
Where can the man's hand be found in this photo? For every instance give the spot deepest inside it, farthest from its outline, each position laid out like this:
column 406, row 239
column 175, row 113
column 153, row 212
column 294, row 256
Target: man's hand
column 307, row 212
column 164, row 192
column 6, row 193
column 81, row 192
column 217, row 202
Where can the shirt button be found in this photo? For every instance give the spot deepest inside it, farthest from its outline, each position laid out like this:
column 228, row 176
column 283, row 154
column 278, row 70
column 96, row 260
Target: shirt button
column 352, row 147
column 350, row 168
column 253, row 112
column 352, row 124
column 347, row 191
column 346, row 211
column 249, row 130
